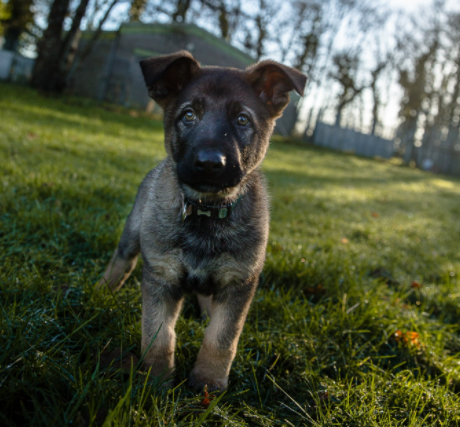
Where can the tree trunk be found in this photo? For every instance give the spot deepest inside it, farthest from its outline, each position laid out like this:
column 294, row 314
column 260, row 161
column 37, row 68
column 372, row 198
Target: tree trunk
column 49, row 47
column 223, row 22
column 338, row 115
column 12, row 35
column 375, row 115
column 55, row 54
column 181, row 10
column 69, row 48
column 412, row 129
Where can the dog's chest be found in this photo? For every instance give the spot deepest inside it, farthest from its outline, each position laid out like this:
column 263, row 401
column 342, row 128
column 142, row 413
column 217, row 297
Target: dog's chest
column 211, row 274
column 200, row 280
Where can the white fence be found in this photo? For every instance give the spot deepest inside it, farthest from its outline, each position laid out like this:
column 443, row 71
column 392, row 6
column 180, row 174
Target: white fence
column 348, row 140
column 15, row 67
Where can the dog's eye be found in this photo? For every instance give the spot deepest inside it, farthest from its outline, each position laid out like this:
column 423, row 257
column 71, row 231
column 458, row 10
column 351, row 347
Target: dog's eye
column 189, row 116
column 242, row 120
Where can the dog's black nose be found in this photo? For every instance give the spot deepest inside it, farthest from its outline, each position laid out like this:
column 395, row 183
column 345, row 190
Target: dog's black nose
column 209, row 161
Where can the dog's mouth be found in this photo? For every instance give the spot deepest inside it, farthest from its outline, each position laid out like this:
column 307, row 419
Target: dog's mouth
column 214, row 186
column 221, row 182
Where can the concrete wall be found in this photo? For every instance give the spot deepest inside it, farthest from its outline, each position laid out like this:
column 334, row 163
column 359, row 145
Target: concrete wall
column 112, row 73
column 139, row 41
column 90, row 76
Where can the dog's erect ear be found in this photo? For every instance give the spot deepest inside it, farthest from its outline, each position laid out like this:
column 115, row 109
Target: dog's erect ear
column 166, row 75
column 273, row 82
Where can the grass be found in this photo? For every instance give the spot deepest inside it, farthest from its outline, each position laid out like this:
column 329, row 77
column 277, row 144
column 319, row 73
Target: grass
column 355, row 323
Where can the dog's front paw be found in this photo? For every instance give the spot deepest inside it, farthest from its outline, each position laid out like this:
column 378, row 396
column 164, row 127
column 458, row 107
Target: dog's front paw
column 197, row 382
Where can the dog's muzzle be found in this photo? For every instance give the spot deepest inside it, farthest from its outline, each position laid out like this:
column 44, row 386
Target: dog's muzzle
column 209, row 162
column 210, row 171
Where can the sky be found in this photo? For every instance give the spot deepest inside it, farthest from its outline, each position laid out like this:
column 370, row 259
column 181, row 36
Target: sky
column 407, row 4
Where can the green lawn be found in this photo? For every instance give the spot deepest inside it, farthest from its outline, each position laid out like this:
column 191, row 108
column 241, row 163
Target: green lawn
column 355, row 323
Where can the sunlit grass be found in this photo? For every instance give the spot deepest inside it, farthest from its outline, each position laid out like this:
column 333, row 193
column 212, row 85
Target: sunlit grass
column 349, row 236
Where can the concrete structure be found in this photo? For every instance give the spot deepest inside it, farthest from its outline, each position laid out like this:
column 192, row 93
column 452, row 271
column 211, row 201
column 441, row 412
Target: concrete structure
column 111, row 71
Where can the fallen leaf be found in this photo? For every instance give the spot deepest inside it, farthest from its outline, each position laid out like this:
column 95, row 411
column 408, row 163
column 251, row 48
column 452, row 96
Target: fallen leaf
column 407, row 338
column 375, row 214
column 207, row 398
column 315, row 290
column 344, row 240
column 31, row 136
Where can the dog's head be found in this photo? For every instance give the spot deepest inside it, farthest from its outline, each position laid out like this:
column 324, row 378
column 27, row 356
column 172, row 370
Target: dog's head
column 218, row 121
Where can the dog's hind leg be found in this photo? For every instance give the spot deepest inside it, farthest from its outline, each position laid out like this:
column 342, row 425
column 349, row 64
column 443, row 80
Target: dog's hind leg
column 121, row 265
column 124, row 259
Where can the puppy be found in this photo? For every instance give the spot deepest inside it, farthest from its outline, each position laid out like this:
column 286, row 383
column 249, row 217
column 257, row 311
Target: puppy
column 200, row 218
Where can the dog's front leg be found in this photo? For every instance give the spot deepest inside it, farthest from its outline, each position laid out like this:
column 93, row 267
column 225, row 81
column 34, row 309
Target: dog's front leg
column 160, row 309
column 229, row 310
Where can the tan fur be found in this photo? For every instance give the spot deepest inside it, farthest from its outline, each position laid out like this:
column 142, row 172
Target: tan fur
column 158, row 335
column 117, row 272
column 215, row 357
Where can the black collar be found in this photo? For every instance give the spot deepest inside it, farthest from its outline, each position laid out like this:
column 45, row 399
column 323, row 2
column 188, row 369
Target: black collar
column 197, row 208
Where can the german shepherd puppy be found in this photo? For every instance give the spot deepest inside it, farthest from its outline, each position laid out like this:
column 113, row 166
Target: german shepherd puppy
column 200, row 218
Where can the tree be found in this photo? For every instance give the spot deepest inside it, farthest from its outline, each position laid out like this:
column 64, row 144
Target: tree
column 227, row 14
column 57, row 49
column 414, row 85
column 441, row 106
column 453, row 108
column 136, row 10
column 82, row 54
column 376, row 97
column 16, row 16
column 345, row 73
column 182, row 7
